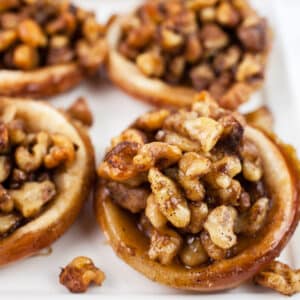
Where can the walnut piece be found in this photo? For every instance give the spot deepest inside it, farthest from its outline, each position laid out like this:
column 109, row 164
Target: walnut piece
column 62, row 151
column 214, row 252
column 220, row 226
column 169, row 199
column 164, row 245
column 78, row 275
column 31, row 159
column 193, row 254
column 192, row 166
column 8, row 222
column 32, row 196
column 133, row 199
column 279, row 277
column 153, row 213
column 204, row 130
column 156, row 153
column 80, row 111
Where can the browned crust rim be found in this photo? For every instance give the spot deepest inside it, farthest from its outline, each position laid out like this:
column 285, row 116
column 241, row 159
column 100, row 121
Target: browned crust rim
column 43, row 82
column 123, row 236
column 128, row 77
column 50, row 225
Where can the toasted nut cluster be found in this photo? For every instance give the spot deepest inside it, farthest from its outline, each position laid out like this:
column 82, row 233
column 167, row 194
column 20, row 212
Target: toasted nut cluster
column 279, row 277
column 35, row 34
column 79, row 274
column 193, row 177
column 28, row 161
column 220, row 46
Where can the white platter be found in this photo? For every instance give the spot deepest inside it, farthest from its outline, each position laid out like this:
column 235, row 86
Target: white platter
column 113, row 110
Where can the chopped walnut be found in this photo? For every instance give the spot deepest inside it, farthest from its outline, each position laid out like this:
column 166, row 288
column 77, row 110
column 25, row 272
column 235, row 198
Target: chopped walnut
column 227, row 15
column 7, row 38
column 192, row 166
column 170, row 40
column 6, row 201
column 8, row 222
column 156, row 153
column 31, row 33
column 31, row 159
column 164, row 245
column 151, row 64
column 199, row 4
column 214, row 38
column 178, row 140
column 130, row 135
column 169, row 198
column 118, row 164
column 220, row 226
column 279, row 277
column 204, row 130
column 62, row 151
column 202, row 76
column 153, row 213
column 249, row 68
column 193, row 254
column 228, row 59
column 199, row 213
column 133, row 199
column 212, row 250
column 4, row 139
column 253, row 34
column 32, row 196
column 5, row 168
column 78, row 275
column 152, row 121
column 253, row 220
column 80, row 111
column 252, row 165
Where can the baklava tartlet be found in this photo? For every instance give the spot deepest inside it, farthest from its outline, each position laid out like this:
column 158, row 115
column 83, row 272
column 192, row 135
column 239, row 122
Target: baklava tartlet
column 197, row 198
column 47, row 47
column 47, row 170
column 167, row 51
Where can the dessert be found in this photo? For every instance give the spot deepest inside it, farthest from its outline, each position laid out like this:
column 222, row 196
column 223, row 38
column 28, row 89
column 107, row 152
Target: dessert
column 47, row 47
column 47, row 170
column 174, row 49
column 197, row 198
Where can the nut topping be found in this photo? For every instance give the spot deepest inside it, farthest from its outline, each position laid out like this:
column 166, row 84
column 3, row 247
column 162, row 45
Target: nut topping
column 193, row 180
column 29, row 162
column 36, row 34
column 205, row 44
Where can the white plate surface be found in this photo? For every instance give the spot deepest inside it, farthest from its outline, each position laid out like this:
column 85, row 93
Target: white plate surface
column 37, row 277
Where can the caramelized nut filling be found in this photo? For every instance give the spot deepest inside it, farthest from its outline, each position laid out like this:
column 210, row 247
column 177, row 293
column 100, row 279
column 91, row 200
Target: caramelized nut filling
column 29, row 162
column 193, row 179
column 35, row 34
column 208, row 45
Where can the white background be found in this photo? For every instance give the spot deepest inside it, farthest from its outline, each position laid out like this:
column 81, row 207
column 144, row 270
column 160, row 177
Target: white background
column 113, row 110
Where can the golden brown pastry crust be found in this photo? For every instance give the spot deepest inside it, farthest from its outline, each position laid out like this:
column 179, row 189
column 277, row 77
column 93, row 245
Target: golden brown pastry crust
column 43, row 82
column 74, row 183
column 282, row 180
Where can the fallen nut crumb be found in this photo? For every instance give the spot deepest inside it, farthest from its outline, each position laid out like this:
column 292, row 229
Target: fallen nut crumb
column 78, row 275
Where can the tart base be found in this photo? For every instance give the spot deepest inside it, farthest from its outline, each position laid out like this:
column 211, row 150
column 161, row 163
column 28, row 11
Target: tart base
column 47, row 81
column 282, row 180
column 74, row 183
